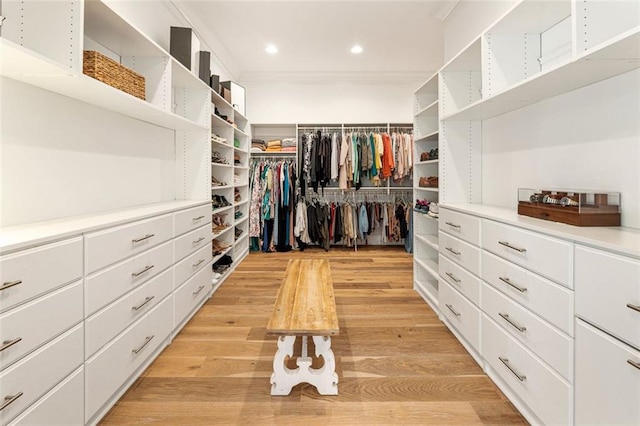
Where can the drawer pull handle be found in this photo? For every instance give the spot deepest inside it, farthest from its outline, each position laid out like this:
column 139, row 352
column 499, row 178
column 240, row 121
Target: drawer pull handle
column 198, row 240
column 198, row 218
column 10, row 284
column 146, row 268
column 195, row 265
column 453, row 225
column 195, row 293
column 8, row 343
column 505, row 361
column 457, row 253
column 506, row 244
column 520, row 328
column 634, row 307
column 634, row 363
column 146, row 342
column 456, row 313
column 146, row 300
column 146, row 237
column 453, row 277
column 517, row 287
column 9, row 399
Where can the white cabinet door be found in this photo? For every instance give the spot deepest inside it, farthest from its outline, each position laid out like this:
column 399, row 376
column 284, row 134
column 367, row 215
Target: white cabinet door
column 461, row 313
column 460, row 279
column 607, row 382
column 194, row 240
column 463, row 226
column 461, row 252
column 190, row 219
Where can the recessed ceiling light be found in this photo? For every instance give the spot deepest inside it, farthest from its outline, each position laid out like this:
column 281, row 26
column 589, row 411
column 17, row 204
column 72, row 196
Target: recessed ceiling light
column 356, row 49
column 271, row 49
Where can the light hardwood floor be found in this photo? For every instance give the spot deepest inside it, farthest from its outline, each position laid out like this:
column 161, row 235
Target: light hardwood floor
column 397, row 363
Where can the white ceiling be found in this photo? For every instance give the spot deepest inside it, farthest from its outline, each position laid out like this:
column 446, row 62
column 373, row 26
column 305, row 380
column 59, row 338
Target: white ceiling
column 402, row 40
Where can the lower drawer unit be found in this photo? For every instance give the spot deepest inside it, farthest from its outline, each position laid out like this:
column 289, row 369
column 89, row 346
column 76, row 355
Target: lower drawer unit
column 194, row 240
column 56, row 312
column 187, row 220
column 554, row 347
column 464, row 254
column 62, row 406
column 463, row 226
column 460, row 313
column 607, row 385
column 193, row 263
column 109, row 322
column 57, row 264
column 608, row 292
column 33, row 376
column 547, row 395
column 108, row 285
column 460, row 279
column 547, row 299
column 111, row 368
column 192, row 293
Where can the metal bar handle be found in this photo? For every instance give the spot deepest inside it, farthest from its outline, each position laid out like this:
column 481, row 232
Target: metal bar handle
column 10, row 284
column 8, row 343
column 518, row 249
column 457, row 253
column 198, row 218
column 453, row 277
column 146, row 268
column 146, row 237
column 141, row 347
column 505, row 361
column 520, row 328
column 146, row 300
column 198, row 240
column 195, row 293
column 634, row 307
column 517, row 287
column 634, row 363
column 9, row 399
column 456, row 313
column 195, row 265
column 453, row 225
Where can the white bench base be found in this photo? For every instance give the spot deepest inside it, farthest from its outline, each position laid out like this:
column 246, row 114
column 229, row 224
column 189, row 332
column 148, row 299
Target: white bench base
column 284, row 379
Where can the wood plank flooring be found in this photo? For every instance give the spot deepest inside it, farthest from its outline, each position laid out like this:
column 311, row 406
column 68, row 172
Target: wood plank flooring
column 397, row 363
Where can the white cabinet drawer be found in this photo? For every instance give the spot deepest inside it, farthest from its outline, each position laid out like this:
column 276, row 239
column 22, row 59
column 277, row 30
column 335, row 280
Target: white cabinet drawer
column 461, row 313
column 109, row 322
column 193, row 263
column 40, row 371
column 38, row 270
column 547, row 394
column 110, row 368
column 462, row 253
column 550, row 257
column 106, row 247
column 607, row 385
column 554, row 347
column 188, row 220
column 461, row 225
column 551, row 301
column 606, row 284
column 194, row 240
column 458, row 277
column 192, row 293
column 62, row 406
column 34, row 323
column 105, row 286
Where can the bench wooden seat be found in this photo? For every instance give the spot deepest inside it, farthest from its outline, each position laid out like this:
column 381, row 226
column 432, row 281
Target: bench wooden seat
column 305, row 306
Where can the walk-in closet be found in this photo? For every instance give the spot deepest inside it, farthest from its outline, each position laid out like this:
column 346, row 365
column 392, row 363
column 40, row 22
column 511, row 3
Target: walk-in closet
column 316, row 212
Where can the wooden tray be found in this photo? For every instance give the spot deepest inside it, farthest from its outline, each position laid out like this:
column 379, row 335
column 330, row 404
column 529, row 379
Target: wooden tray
column 595, row 216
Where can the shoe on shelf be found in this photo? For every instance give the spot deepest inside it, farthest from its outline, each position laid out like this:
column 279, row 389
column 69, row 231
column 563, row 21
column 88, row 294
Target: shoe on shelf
column 424, row 156
column 216, row 182
column 428, row 182
column 433, row 208
column 236, row 195
column 216, row 138
column 218, row 158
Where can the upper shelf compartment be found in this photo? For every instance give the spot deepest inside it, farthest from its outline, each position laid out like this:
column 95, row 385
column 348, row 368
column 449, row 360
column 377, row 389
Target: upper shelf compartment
column 426, row 94
column 461, row 80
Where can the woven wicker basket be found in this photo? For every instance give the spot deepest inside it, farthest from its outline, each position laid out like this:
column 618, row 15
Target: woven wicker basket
column 108, row 71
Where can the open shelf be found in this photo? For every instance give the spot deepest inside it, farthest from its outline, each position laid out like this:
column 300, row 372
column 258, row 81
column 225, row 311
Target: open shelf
column 430, row 137
column 429, row 265
column 429, row 110
column 430, row 240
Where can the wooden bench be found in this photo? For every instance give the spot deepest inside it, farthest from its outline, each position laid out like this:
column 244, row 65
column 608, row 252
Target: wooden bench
column 304, row 307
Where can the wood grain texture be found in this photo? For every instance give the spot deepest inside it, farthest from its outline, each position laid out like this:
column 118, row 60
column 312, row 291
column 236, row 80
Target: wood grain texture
column 305, row 305
column 397, row 363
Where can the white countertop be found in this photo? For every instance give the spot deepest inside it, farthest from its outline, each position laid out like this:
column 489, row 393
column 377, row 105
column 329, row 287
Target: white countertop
column 617, row 239
column 13, row 238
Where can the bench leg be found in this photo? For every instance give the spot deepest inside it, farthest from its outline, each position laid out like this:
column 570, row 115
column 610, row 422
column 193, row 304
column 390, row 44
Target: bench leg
column 284, row 379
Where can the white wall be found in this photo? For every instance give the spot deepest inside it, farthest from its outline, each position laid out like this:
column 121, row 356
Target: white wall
column 60, row 157
column 585, row 139
column 330, row 102
column 468, row 20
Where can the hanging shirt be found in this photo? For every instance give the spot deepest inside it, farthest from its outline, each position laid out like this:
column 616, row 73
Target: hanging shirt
column 335, row 157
